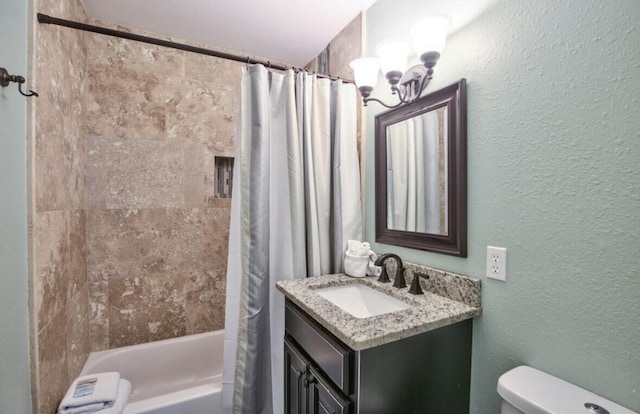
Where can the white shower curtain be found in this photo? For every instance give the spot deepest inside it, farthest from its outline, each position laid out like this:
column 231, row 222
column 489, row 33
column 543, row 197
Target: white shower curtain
column 413, row 175
column 296, row 202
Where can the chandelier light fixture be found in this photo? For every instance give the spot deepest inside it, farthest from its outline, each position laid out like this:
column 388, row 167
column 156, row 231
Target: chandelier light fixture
column 429, row 37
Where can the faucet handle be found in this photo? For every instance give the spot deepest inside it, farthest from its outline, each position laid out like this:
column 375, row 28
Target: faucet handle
column 415, row 284
column 384, row 277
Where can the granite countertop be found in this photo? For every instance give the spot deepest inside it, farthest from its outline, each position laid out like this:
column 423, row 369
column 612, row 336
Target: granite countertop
column 427, row 312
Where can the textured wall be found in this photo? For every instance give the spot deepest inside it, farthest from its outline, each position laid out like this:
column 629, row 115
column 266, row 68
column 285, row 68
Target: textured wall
column 15, row 396
column 60, row 301
column 157, row 237
column 345, row 47
column 554, row 144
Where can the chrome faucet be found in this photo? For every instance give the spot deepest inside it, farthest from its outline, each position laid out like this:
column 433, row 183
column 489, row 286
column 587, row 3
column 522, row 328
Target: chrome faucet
column 398, row 281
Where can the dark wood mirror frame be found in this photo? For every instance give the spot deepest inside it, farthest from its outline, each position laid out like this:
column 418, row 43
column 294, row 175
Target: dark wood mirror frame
column 455, row 241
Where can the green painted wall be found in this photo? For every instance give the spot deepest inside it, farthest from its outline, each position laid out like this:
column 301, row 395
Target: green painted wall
column 15, row 387
column 554, row 176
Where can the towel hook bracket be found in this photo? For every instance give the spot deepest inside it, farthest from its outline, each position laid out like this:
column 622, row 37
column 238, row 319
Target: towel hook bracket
column 6, row 79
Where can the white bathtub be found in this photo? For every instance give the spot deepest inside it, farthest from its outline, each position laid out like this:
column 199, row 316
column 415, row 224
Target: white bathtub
column 174, row 376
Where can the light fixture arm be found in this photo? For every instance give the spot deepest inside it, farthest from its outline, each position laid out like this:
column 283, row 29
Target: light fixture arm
column 365, row 101
column 365, row 92
column 403, row 94
column 424, row 82
column 395, row 90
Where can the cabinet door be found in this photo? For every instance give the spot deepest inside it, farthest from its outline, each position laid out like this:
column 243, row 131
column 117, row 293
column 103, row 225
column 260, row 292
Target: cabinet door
column 323, row 400
column 295, row 391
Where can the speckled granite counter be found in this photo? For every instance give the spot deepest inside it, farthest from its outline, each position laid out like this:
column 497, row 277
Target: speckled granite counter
column 427, row 312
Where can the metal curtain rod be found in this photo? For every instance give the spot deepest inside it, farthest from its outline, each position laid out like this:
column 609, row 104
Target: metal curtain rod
column 43, row 18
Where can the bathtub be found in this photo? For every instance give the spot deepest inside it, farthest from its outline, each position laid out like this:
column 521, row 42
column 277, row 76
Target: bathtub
column 174, row 376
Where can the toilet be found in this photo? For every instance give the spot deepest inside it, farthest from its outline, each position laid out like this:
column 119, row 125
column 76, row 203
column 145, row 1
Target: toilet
column 525, row 390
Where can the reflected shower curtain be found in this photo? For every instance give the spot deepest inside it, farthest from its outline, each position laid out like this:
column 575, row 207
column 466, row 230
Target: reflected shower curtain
column 296, row 202
column 413, row 176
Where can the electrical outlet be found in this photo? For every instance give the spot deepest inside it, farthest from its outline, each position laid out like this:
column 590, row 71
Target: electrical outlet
column 497, row 263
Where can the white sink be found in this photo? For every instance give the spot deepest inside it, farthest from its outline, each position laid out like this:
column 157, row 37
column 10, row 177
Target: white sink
column 361, row 301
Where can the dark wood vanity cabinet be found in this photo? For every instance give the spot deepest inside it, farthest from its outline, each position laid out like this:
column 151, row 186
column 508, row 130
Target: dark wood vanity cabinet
column 306, row 391
column 307, row 388
column 428, row 373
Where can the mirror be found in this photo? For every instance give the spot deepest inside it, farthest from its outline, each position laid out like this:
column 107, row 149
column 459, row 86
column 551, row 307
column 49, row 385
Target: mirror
column 421, row 175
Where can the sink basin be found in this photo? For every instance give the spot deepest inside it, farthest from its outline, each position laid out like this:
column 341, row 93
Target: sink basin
column 361, row 301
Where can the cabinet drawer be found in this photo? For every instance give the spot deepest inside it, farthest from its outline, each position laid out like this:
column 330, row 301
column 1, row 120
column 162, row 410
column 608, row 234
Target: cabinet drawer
column 330, row 355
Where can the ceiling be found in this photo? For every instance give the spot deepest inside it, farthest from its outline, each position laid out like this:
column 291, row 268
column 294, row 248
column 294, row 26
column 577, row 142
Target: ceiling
column 285, row 31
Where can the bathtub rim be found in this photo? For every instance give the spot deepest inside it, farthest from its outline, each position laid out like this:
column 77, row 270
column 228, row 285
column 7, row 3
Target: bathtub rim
column 96, row 357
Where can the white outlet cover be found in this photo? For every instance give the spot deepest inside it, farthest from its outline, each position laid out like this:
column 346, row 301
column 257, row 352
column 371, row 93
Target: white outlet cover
column 497, row 263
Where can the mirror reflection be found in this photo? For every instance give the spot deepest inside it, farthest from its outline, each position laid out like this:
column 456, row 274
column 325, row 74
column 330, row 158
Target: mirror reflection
column 417, row 173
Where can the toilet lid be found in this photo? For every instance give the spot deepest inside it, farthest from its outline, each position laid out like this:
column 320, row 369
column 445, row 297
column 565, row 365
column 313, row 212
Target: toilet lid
column 536, row 392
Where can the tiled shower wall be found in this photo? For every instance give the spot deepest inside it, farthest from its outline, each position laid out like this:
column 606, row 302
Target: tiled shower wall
column 344, row 48
column 60, row 308
column 128, row 242
column 157, row 237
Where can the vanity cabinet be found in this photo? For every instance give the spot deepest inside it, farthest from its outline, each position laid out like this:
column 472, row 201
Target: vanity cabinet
column 316, row 368
column 306, row 389
column 428, row 373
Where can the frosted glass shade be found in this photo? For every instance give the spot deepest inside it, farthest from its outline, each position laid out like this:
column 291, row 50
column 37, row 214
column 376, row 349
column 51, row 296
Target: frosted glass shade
column 430, row 34
column 365, row 71
column 393, row 56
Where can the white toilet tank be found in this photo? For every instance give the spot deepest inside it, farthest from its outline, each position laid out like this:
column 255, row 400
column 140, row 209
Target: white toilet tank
column 525, row 390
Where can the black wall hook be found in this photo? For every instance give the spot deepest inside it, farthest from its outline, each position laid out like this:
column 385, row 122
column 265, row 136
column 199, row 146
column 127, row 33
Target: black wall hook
column 5, row 79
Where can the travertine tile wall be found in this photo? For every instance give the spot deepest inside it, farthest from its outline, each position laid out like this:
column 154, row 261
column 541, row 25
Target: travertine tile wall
column 345, row 47
column 157, row 238
column 60, row 308
column 128, row 242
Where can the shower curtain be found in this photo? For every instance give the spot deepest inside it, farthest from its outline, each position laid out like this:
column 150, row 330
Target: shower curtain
column 295, row 203
column 414, row 177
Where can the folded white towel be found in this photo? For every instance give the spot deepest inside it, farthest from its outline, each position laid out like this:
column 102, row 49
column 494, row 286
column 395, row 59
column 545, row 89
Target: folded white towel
column 124, row 392
column 84, row 409
column 94, row 392
column 353, row 246
column 358, row 248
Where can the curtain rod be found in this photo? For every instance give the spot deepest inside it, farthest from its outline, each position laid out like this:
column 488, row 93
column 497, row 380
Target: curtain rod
column 43, row 18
